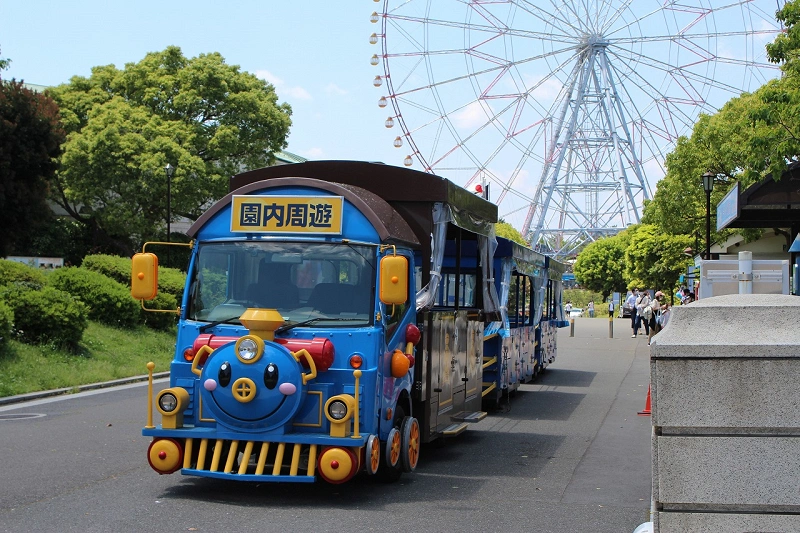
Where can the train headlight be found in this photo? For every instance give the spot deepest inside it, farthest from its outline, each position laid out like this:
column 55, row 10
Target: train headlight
column 171, row 403
column 168, row 402
column 249, row 349
column 337, row 409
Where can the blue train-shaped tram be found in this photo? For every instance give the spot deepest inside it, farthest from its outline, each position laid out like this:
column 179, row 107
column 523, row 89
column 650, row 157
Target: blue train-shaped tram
column 336, row 316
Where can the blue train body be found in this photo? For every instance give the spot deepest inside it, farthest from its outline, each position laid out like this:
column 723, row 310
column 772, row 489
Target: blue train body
column 336, row 316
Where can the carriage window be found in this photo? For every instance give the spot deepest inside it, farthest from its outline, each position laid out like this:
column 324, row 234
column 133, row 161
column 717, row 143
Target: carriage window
column 466, row 284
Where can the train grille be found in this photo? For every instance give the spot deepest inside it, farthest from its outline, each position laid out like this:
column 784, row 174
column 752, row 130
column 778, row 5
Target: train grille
column 250, row 460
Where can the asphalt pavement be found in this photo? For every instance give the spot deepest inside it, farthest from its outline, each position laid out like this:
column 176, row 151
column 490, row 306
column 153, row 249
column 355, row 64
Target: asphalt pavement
column 567, row 453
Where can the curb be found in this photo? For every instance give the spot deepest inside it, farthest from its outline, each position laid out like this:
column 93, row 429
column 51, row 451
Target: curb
column 80, row 388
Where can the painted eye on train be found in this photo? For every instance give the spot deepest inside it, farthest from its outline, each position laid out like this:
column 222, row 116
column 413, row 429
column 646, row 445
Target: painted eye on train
column 224, row 374
column 271, row 376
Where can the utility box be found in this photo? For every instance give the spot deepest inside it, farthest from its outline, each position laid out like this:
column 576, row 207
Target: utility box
column 725, row 407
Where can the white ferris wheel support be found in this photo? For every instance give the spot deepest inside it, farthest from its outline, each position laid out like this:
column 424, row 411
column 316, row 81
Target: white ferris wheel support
column 567, row 108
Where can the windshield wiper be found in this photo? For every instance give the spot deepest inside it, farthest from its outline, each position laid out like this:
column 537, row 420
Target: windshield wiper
column 287, row 327
column 210, row 325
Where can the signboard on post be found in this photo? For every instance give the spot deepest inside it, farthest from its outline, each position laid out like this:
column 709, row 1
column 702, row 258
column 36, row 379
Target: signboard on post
column 728, row 209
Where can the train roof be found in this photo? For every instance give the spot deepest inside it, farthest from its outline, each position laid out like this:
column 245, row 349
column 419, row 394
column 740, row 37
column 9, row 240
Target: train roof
column 393, row 184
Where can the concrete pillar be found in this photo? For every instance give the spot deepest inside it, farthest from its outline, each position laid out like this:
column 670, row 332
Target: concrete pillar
column 725, row 374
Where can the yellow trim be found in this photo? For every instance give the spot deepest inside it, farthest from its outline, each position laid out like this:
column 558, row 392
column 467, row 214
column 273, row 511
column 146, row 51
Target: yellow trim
column 492, row 386
column 232, row 453
column 312, row 367
column 205, row 349
column 201, row 454
column 189, row 244
column 312, row 460
column 487, row 337
column 200, row 410
column 442, row 404
column 259, row 348
column 217, row 454
column 488, row 361
column 355, row 435
column 262, row 458
column 319, row 412
column 150, row 367
column 244, row 390
column 187, row 454
column 248, row 451
column 276, row 469
column 295, row 460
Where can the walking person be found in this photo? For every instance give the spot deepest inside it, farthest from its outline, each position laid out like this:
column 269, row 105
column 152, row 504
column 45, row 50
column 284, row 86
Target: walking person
column 643, row 312
column 631, row 303
column 655, row 312
column 590, row 307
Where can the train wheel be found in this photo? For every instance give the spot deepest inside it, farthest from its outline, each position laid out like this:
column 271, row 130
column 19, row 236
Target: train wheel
column 373, row 455
column 394, row 446
column 390, row 468
column 410, row 443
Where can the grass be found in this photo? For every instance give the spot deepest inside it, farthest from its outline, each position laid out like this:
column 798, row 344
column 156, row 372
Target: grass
column 104, row 354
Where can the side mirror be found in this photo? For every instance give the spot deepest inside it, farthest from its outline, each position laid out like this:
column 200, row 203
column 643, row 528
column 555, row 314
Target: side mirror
column 144, row 276
column 394, row 280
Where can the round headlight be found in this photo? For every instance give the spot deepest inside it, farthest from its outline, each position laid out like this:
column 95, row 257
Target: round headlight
column 168, row 402
column 248, row 349
column 337, row 409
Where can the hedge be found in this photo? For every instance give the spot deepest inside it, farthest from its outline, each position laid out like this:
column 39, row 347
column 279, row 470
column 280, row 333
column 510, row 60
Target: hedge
column 12, row 272
column 109, row 302
column 6, row 322
column 45, row 315
column 170, row 280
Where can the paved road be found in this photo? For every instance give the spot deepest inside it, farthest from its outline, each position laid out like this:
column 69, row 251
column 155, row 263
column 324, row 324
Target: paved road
column 566, row 454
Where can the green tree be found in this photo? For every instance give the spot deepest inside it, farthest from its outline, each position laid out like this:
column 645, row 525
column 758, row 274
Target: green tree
column 206, row 118
column 30, row 137
column 600, row 265
column 507, row 231
column 655, row 260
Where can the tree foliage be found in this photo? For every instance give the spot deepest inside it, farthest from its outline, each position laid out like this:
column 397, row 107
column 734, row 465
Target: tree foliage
column 30, row 139
column 599, row 267
column 507, row 231
column 206, row 118
column 655, row 260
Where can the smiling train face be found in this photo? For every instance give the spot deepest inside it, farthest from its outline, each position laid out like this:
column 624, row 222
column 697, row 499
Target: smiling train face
column 252, row 385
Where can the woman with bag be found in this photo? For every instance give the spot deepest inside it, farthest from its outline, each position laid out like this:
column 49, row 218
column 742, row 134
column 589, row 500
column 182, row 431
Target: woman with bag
column 643, row 312
column 655, row 311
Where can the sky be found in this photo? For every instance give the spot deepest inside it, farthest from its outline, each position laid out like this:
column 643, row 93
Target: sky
column 316, row 54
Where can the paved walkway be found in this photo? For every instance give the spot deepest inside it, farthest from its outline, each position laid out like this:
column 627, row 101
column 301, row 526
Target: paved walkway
column 598, row 474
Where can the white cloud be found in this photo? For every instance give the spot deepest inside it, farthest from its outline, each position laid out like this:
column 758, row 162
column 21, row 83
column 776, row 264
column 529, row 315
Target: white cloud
column 332, row 88
column 284, row 90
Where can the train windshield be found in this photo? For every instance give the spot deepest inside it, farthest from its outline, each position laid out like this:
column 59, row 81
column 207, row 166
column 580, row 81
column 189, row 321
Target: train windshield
column 325, row 284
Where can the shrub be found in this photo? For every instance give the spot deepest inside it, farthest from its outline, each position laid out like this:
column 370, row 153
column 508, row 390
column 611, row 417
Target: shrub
column 45, row 315
column 6, row 322
column 170, row 280
column 160, row 321
column 12, row 271
column 109, row 302
column 113, row 266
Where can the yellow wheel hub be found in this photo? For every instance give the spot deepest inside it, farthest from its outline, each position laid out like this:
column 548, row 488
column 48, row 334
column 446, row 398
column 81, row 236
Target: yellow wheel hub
column 244, row 390
column 165, row 456
column 335, row 464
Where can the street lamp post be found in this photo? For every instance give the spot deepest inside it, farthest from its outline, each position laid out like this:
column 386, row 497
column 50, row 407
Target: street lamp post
column 708, row 186
column 169, row 170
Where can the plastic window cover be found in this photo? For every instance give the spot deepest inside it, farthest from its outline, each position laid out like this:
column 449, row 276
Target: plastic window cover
column 559, row 307
column 502, row 328
column 441, row 217
column 487, row 245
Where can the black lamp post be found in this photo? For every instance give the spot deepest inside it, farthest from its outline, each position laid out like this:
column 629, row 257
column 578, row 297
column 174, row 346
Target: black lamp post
column 169, row 170
column 708, row 186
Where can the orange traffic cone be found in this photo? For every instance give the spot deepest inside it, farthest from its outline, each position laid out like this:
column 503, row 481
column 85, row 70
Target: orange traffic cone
column 646, row 411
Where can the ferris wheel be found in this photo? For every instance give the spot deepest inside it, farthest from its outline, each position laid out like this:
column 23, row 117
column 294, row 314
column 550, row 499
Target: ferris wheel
column 563, row 109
